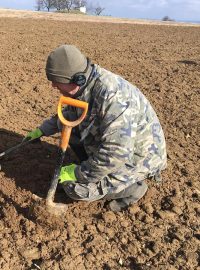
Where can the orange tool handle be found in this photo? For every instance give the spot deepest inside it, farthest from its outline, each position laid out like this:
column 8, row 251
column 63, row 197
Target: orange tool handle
column 65, row 136
column 72, row 102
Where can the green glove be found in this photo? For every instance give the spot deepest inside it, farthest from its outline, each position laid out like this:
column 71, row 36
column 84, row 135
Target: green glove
column 34, row 134
column 67, row 173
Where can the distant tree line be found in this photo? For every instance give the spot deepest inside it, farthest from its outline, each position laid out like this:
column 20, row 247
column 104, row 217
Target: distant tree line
column 167, row 18
column 68, row 5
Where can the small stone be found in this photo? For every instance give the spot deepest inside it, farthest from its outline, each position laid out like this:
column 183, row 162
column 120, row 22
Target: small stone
column 90, row 257
column 132, row 249
column 134, row 209
column 121, row 261
column 141, row 259
column 71, row 231
column 178, row 201
column 148, row 208
column 148, row 219
column 91, row 228
column 167, row 215
column 192, row 257
column 177, row 210
column 100, row 227
column 197, row 211
column 124, row 241
column 125, row 224
column 98, row 256
column 20, row 242
column 75, row 251
column 141, row 216
column 179, row 235
column 171, row 267
column 30, row 254
column 110, row 232
column 109, row 217
column 156, row 247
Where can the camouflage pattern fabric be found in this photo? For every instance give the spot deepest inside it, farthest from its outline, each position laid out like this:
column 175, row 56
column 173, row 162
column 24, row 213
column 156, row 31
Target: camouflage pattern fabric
column 121, row 134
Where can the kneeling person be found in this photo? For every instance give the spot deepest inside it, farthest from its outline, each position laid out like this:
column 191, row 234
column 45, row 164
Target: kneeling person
column 120, row 143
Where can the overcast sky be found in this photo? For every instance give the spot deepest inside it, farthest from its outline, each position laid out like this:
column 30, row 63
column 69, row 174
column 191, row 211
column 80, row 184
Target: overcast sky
column 148, row 9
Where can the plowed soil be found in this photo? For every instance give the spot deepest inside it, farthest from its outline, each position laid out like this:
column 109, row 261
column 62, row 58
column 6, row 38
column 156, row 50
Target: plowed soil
column 162, row 230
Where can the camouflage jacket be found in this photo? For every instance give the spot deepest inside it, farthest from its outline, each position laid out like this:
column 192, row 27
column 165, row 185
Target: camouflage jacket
column 121, row 133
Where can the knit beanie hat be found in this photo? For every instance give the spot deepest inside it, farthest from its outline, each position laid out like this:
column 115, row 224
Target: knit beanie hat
column 64, row 62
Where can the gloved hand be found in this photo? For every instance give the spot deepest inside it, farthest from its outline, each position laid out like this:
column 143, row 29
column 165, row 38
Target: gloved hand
column 34, row 134
column 67, row 174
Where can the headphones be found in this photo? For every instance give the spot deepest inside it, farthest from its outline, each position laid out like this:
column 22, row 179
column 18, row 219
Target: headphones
column 79, row 78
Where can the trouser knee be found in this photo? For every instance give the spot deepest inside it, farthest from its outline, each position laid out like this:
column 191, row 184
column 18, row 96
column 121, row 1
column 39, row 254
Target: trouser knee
column 83, row 192
column 137, row 190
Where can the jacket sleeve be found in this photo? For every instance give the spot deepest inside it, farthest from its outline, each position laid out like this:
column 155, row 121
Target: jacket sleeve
column 50, row 126
column 118, row 123
column 53, row 124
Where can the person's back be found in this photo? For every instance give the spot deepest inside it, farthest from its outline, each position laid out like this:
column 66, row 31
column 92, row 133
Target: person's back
column 125, row 129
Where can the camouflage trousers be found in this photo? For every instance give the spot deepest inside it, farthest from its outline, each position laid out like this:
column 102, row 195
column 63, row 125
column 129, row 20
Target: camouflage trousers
column 101, row 190
column 92, row 192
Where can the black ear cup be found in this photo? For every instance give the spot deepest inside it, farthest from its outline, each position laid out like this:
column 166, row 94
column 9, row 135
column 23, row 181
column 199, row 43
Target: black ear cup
column 80, row 78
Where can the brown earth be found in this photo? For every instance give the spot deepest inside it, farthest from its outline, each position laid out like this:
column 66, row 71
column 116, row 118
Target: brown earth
column 83, row 17
column 162, row 230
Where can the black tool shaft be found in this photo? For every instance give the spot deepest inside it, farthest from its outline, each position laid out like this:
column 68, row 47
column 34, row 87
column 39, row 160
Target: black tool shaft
column 54, row 181
column 8, row 151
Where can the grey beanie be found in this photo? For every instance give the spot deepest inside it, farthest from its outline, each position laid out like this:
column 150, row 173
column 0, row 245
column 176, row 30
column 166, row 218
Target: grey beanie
column 64, row 62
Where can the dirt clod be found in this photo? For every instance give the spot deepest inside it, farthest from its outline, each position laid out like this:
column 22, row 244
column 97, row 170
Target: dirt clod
column 109, row 217
column 30, row 254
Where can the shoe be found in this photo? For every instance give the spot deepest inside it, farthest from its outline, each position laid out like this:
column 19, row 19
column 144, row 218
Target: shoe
column 117, row 205
column 123, row 203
